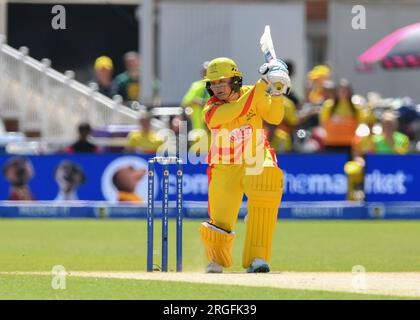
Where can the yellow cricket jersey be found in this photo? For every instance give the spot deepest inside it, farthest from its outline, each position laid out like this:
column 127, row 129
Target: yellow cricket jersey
column 290, row 114
column 290, row 119
column 281, row 141
column 237, row 127
column 343, row 110
column 148, row 143
column 340, row 124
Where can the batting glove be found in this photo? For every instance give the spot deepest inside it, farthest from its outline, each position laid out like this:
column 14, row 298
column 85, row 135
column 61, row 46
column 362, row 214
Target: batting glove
column 276, row 74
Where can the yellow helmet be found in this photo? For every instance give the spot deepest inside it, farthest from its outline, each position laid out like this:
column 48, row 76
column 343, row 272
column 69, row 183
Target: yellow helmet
column 221, row 68
column 103, row 62
column 318, row 72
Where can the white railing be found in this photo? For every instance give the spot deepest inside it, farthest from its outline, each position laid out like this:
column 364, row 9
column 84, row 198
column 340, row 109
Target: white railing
column 45, row 100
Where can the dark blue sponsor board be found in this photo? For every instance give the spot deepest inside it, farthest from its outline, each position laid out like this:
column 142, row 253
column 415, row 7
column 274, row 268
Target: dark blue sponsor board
column 99, row 172
column 288, row 210
column 393, row 210
column 314, row 187
column 306, row 177
column 322, row 210
column 317, row 177
column 391, row 178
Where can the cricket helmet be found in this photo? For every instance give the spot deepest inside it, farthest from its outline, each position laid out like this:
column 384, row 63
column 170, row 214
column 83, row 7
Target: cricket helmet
column 221, row 68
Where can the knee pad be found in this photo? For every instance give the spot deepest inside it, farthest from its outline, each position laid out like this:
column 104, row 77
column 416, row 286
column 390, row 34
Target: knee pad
column 265, row 189
column 218, row 244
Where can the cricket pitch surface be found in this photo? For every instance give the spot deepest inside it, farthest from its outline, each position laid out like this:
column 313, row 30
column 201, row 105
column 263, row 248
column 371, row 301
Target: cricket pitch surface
column 383, row 283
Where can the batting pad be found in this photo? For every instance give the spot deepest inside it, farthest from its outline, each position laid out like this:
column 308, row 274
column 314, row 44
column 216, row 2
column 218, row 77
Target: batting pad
column 264, row 194
column 218, row 244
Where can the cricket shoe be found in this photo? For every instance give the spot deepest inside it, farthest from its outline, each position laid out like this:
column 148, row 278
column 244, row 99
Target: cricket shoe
column 258, row 266
column 214, row 267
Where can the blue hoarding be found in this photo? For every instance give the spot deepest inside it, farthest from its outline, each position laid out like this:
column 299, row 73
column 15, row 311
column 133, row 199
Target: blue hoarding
column 333, row 210
column 89, row 177
column 111, row 177
column 392, row 178
column 314, row 177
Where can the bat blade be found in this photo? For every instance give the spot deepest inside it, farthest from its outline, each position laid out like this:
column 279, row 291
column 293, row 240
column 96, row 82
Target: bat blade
column 267, row 46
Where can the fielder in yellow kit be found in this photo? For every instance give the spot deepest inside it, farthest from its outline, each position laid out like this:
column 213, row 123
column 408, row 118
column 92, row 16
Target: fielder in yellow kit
column 238, row 112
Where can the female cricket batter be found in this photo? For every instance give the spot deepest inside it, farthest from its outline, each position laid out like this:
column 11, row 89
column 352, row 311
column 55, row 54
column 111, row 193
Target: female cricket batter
column 241, row 161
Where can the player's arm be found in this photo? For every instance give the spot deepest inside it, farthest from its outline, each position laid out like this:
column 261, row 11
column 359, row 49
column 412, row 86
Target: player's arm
column 325, row 112
column 194, row 95
column 270, row 108
column 275, row 80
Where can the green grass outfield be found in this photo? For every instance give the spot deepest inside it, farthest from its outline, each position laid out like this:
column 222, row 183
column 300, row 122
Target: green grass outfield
column 120, row 245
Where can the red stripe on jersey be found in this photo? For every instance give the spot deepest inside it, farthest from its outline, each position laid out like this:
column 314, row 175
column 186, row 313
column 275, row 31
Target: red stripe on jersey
column 210, row 113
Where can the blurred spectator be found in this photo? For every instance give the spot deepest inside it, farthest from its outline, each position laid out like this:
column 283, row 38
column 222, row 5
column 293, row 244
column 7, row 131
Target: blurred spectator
column 127, row 84
column 368, row 116
column 362, row 141
column 316, row 77
column 355, row 171
column 176, row 134
column 292, row 94
column 144, row 140
column 312, row 115
column 280, row 136
column 103, row 69
column 82, row 145
column 340, row 118
column 319, row 89
column 328, row 90
column 390, row 140
column 195, row 99
column 279, row 140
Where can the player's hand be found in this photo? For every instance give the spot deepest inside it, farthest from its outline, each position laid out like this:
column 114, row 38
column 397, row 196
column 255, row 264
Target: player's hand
column 278, row 63
column 277, row 75
column 275, row 64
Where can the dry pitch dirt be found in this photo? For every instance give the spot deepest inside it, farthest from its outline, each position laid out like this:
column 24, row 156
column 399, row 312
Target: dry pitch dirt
column 381, row 283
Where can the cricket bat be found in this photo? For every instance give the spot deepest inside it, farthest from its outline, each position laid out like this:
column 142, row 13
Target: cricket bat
column 267, row 46
column 267, row 49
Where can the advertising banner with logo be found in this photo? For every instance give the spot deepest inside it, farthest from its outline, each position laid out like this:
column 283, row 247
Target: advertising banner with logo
column 116, row 177
column 392, row 178
column 106, row 177
column 313, row 177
